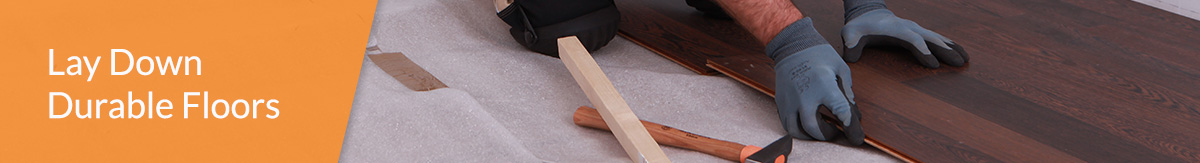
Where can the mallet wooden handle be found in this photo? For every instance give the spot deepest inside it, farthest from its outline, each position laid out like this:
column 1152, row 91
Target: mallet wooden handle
column 588, row 117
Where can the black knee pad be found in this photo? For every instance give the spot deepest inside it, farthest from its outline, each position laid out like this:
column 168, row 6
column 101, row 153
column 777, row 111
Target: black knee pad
column 537, row 24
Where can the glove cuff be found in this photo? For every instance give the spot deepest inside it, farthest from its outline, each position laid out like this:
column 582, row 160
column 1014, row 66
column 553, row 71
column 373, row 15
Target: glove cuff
column 854, row 8
column 794, row 38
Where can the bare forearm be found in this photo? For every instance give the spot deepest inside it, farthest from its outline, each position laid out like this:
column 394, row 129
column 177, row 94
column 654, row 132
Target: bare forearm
column 763, row 18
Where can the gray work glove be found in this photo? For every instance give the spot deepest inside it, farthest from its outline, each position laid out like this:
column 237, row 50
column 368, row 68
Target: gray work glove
column 809, row 74
column 870, row 23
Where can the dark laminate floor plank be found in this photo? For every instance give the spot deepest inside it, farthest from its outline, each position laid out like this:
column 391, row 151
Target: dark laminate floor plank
column 1169, row 56
column 1064, row 50
column 1133, row 13
column 1106, row 54
column 1112, row 102
column 957, row 124
column 678, row 11
column 678, row 42
column 1064, row 43
column 886, row 126
column 755, row 71
column 1150, row 25
column 1115, row 73
column 1033, row 120
column 1108, row 62
column 827, row 19
column 1168, row 37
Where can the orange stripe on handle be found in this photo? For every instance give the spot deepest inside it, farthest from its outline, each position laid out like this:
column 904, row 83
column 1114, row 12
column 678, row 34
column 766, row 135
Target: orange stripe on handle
column 750, row 150
column 747, row 151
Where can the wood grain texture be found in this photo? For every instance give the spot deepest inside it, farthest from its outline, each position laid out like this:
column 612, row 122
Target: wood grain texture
column 408, row 73
column 681, row 34
column 616, row 113
column 666, row 135
column 1048, row 81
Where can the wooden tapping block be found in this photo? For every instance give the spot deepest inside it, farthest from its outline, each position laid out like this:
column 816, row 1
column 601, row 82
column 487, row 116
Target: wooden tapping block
column 588, row 117
column 408, row 73
column 616, row 113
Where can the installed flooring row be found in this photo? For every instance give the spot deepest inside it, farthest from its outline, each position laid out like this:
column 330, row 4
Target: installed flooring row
column 1048, row 81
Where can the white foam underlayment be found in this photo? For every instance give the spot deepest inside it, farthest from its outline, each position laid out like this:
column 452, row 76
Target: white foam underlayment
column 1186, row 8
column 508, row 104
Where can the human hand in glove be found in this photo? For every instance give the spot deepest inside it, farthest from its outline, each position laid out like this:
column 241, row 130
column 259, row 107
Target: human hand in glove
column 809, row 74
column 870, row 23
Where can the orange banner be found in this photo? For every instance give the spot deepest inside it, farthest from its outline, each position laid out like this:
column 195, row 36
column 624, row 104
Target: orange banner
column 178, row 81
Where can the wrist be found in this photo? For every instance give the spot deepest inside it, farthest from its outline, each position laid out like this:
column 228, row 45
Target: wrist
column 855, row 8
column 794, row 38
column 762, row 18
